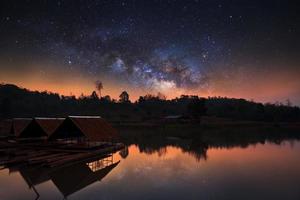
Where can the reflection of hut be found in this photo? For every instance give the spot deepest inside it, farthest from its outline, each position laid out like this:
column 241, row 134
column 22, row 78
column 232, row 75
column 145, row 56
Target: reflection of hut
column 72, row 179
column 124, row 152
column 18, row 125
column 34, row 175
column 85, row 128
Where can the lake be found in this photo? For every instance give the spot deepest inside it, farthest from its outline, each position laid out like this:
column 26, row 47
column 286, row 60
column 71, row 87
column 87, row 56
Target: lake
column 263, row 170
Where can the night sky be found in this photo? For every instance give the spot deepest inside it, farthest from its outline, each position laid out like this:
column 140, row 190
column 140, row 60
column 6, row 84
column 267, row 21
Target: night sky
column 247, row 49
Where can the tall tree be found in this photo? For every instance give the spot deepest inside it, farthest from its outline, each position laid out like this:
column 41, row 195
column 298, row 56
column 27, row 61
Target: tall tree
column 99, row 86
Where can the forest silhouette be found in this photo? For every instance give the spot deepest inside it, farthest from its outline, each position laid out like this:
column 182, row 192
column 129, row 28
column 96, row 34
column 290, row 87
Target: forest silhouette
column 20, row 102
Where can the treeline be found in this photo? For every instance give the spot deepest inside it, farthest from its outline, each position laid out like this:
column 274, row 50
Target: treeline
column 18, row 102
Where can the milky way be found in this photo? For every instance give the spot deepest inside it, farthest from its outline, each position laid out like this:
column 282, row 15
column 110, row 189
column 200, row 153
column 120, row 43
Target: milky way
column 154, row 45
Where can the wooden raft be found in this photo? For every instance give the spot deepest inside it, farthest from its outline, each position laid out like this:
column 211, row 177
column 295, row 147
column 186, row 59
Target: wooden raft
column 51, row 155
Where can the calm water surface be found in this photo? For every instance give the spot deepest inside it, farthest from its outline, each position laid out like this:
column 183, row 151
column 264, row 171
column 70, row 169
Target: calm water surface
column 261, row 171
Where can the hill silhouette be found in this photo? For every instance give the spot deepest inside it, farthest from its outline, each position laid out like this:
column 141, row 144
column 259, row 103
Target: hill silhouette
column 20, row 102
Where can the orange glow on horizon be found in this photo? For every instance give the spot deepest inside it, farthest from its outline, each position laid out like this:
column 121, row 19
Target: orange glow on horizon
column 278, row 86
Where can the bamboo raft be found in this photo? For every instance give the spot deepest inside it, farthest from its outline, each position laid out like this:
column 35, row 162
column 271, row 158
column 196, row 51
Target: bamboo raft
column 51, row 155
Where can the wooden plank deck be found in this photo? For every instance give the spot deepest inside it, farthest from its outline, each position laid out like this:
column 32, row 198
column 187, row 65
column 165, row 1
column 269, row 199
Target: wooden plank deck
column 52, row 155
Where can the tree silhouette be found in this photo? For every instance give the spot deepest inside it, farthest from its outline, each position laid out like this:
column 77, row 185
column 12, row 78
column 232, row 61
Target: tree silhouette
column 107, row 98
column 94, row 96
column 124, row 97
column 196, row 108
column 99, row 86
column 20, row 102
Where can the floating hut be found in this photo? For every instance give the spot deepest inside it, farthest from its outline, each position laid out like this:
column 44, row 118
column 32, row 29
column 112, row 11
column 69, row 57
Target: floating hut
column 85, row 128
column 32, row 128
column 36, row 128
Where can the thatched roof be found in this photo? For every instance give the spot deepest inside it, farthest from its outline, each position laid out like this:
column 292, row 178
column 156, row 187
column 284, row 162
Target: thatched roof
column 49, row 125
column 19, row 125
column 95, row 128
column 92, row 128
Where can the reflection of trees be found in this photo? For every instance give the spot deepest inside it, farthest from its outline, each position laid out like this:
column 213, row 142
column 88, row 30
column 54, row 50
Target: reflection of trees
column 124, row 152
column 158, row 145
column 162, row 151
column 197, row 145
column 197, row 149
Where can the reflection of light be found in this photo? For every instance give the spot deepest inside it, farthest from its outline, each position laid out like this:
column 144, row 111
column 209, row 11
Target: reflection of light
column 100, row 164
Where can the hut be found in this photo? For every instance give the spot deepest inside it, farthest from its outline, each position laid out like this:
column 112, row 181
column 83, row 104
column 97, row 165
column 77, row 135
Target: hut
column 85, row 128
column 40, row 128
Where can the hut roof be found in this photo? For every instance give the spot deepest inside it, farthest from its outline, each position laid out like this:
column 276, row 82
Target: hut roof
column 84, row 117
column 49, row 125
column 19, row 124
column 92, row 128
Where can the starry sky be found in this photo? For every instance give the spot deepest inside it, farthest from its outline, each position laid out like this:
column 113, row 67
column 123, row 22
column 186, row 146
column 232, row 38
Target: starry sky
column 241, row 49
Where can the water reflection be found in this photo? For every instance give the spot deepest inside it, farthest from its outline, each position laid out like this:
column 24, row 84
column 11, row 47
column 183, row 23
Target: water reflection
column 163, row 167
column 198, row 145
column 69, row 178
